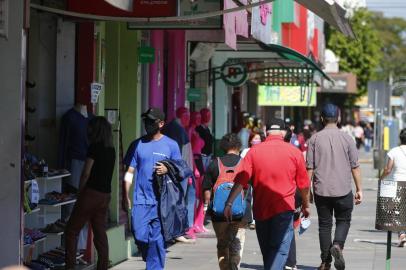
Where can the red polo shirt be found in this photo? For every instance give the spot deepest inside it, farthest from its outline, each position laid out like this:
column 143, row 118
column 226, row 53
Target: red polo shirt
column 276, row 168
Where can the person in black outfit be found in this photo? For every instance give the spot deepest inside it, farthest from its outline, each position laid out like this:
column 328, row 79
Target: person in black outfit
column 94, row 194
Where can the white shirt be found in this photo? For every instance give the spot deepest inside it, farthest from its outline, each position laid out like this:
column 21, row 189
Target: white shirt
column 358, row 132
column 244, row 152
column 398, row 155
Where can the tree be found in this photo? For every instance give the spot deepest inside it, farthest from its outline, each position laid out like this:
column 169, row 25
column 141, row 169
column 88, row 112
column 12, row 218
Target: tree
column 362, row 55
column 392, row 35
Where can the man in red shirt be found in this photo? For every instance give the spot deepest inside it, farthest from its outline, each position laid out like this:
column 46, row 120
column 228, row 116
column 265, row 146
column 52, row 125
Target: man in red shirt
column 276, row 169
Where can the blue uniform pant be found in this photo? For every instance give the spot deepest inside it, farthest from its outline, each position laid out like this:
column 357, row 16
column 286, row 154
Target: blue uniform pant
column 274, row 237
column 147, row 231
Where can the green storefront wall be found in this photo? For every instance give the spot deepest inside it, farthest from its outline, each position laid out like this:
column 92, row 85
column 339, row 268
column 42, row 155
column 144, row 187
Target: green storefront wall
column 117, row 68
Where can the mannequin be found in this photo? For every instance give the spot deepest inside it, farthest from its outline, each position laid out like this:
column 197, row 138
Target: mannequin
column 72, row 153
column 177, row 130
column 197, row 146
column 205, row 133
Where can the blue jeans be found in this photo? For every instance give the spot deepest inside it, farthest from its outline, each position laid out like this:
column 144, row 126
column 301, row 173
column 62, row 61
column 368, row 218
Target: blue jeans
column 274, row 237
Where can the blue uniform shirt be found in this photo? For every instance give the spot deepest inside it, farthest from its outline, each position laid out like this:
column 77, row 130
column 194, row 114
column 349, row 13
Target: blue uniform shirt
column 144, row 154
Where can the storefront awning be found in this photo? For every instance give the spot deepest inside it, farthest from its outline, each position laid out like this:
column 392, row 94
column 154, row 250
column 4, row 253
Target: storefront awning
column 331, row 12
column 328, row 10
column 300, row 59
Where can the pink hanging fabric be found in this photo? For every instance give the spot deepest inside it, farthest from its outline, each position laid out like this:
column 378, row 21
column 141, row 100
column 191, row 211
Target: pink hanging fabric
column 229, row 22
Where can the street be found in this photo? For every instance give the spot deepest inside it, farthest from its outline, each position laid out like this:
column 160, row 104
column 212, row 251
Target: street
column 365, row 247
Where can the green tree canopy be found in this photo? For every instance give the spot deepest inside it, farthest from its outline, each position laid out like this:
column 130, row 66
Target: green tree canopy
column 392, row 35
column 361, row 56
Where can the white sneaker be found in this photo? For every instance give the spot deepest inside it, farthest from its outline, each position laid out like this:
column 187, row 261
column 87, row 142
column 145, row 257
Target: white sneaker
column 184, row 240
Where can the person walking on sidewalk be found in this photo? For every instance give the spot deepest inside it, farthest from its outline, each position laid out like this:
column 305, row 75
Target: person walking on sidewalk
column 332, row 157
column 276, row 169
column 147, row 152
column 230, row 236
column 397, row 163
column 94, row 194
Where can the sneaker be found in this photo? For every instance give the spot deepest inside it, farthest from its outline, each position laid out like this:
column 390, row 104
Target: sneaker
column 324, row 266
column 402, row 240
column 182, row 239
column 337, row 254
column 290, row 268
column 252, row 226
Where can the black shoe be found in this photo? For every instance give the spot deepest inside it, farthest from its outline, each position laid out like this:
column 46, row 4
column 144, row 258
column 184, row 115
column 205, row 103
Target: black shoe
column 337, row 253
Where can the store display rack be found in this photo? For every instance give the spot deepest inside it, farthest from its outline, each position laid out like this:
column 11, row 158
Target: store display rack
column 45, row 214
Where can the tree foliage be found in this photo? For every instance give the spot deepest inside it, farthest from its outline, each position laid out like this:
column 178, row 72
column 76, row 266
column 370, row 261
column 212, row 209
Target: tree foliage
column 392, row 35
column 361, row 56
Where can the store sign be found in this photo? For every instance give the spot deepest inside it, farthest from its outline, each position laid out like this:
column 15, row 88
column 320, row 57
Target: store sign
column 4, row 18
column 345, row 83
column 122, row 4
column 194, row 94
column 95, row 90
column 146, row 55
column 234, row 74
column 141, row 8
column 261, row 23
column 187, row 8
column 271, row 95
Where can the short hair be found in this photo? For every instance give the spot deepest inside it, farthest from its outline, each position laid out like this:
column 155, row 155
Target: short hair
column 402, row 136
column 99, row 131
column 330, row 120
column 230, row 141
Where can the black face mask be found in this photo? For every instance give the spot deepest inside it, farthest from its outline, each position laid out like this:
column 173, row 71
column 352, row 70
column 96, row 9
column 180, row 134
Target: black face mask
column 151, row 127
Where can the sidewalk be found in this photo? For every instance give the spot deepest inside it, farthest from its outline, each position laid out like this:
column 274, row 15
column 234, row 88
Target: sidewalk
column 365, row 248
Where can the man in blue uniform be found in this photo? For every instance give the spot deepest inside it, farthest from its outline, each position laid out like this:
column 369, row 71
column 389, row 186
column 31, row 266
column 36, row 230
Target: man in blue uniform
column 143, row 157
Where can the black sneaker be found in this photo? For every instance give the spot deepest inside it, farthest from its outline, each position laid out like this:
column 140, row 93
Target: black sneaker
column 337, row 254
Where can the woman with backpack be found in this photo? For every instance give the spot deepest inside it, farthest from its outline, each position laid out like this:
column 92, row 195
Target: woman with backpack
column 216, row 186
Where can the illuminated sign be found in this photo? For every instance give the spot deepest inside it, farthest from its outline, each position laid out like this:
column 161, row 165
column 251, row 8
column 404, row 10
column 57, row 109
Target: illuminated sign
column 272, row 95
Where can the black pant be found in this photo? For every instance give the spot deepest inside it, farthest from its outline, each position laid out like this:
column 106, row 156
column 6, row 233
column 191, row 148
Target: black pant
column 342, row 208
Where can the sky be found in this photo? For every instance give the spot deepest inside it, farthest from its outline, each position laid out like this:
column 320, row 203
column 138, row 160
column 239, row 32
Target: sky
column 390, row 8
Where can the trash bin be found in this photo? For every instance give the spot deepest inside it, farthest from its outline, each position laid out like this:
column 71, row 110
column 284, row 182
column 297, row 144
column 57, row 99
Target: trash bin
column 391, row 206
column 379, row 159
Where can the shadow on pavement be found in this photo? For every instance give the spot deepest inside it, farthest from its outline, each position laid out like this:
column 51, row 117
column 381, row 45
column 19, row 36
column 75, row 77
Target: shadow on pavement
column 304, row 267
column 251, row 266
column 259, row 267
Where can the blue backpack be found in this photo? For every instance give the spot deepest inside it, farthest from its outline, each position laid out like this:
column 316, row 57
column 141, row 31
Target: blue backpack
column 222, row 189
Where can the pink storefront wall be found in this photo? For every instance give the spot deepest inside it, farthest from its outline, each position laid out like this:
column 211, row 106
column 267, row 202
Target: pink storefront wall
column 156, row 70
column 176, row 71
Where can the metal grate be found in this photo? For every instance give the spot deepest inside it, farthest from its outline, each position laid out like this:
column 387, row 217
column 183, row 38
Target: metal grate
column 391, row 212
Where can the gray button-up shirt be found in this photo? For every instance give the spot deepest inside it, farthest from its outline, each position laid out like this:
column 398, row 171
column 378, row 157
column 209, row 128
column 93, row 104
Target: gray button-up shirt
column 332, row 155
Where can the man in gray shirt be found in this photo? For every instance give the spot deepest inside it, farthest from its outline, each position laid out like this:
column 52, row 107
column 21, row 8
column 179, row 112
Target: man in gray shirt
column 332, row 162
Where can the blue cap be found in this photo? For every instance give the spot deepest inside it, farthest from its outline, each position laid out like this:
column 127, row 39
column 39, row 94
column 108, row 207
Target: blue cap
column 329, row 111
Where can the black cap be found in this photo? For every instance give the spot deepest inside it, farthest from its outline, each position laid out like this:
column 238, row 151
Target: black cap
column 276, row 124
column 329, row 111
column 154, row 114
